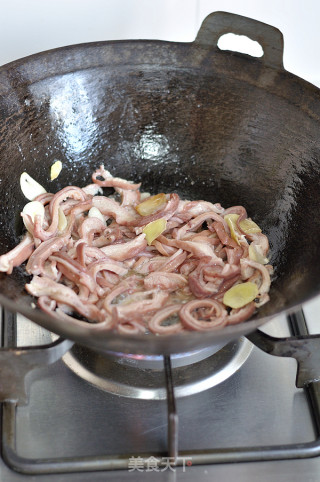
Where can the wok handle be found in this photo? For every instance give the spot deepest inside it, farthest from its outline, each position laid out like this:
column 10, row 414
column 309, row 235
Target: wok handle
column 219, row 23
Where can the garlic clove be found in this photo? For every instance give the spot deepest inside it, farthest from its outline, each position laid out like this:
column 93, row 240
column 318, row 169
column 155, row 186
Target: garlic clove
column 33, row 209
column 144, row 195
column 63, row 222
column 95, row 213
column 30, row 188
column 55, row 170
column 256, row 255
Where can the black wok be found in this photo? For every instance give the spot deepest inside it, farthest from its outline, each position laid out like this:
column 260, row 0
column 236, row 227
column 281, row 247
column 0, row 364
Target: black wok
column 184, row 117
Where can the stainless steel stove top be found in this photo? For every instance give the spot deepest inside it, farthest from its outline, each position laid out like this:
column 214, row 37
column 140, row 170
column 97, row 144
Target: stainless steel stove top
column 67, row 417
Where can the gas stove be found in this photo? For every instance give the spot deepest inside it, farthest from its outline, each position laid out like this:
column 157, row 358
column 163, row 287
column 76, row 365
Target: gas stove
column 234, row 414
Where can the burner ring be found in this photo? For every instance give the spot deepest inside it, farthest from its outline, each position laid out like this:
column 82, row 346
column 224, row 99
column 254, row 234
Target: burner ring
column 126, row 376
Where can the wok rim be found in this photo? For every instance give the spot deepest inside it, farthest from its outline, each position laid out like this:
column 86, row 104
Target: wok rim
column 96, row 337
column 92, row 337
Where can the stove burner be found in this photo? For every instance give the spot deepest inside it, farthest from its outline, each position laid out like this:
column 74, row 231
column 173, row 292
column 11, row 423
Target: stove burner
column 155, row 362
column 143, row 377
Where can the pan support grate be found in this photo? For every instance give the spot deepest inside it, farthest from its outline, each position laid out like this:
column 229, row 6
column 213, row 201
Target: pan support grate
column 16, row 363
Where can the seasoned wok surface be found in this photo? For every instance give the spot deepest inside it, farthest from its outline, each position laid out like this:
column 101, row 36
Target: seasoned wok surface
column 177, row 117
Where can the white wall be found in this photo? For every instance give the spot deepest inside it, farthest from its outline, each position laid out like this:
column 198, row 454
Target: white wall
column 30, row 26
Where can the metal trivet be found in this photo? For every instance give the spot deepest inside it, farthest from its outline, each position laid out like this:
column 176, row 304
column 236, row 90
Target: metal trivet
column 15, row 363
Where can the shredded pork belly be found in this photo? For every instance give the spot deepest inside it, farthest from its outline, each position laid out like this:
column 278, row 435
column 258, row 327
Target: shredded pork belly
column 144, row 264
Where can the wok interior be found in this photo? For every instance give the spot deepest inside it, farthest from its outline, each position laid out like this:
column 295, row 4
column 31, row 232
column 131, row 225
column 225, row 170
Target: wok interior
column 175, row 118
